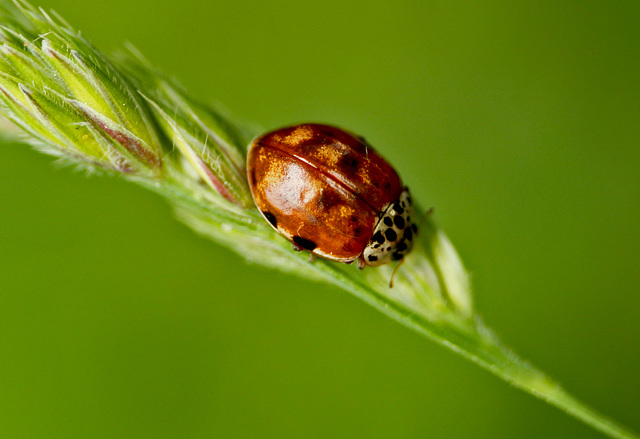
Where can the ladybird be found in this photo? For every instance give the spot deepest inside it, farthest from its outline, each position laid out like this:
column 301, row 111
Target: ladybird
column 328, row 192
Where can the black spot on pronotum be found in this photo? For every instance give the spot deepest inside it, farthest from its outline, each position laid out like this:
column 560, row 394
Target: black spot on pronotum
column 388, row 221
column 378, row 237
column 408, row 234
column 399, row 221
column 391, row 234
column 397, row 256
column 271, row 218
column 398, row 208
column 304, row 243
column 372, row 258
column 401, row 247
column 414, row 228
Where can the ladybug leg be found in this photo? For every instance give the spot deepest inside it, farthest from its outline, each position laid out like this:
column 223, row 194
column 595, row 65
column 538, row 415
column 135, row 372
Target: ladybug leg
column 361, row 263
column 299, row 248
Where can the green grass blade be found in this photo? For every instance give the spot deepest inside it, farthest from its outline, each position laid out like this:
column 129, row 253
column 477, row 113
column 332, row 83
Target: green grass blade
column 75, row 102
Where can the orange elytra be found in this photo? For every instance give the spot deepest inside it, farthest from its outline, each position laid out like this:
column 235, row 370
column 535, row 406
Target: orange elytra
column 328, row 192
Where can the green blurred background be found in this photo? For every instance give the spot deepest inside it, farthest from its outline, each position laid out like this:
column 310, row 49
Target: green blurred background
column 518, row 121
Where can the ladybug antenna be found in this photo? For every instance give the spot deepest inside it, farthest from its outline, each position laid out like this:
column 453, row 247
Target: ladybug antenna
column 429, row 212
column 395, row 270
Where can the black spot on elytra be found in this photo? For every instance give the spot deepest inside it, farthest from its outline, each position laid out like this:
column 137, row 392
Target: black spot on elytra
column 398, row 208
column 348, row 164
column 388, row 221
column 372, row 258
column 271, row 218
column 329, row 199
column 326, row 132
column 357, row 231
column 399, row 221
column 387, row 185
column 391, row 234
column 408, row 234
column 378, row 237
column 304, row 243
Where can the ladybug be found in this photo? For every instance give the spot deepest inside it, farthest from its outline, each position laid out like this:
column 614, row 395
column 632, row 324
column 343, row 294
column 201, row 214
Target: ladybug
column 328, row 192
